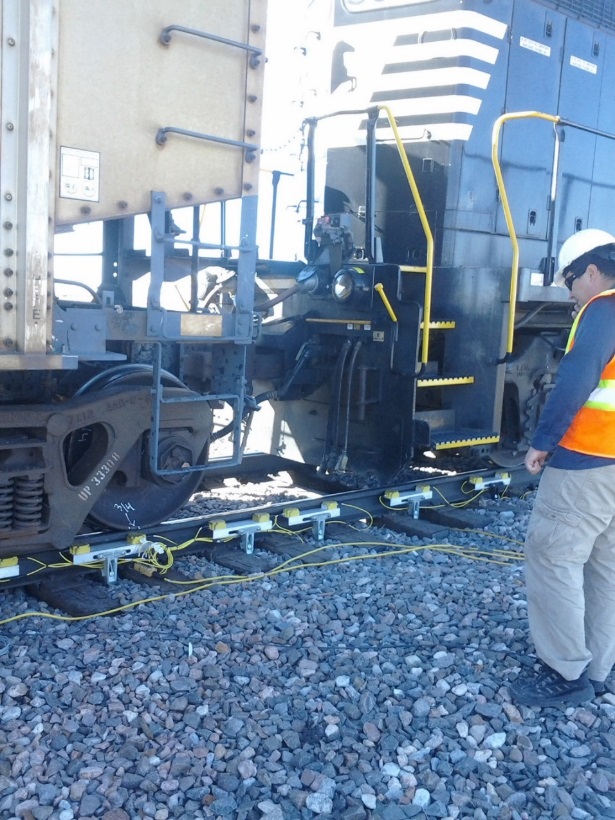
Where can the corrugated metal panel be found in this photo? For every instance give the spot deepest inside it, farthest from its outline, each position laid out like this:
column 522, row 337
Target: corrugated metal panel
column 27, row 75
column 119, row 84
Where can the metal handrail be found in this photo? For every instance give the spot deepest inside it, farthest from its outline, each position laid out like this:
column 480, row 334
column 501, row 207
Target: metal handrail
column 514, row 274
column 428, row 269
column 495, row 138
column 249, row 147
column 426, row 230
column 255, row 53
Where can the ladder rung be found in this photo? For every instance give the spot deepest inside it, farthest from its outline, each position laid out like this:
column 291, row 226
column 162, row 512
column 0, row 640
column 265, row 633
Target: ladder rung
column 444, row 381
column 447, row 325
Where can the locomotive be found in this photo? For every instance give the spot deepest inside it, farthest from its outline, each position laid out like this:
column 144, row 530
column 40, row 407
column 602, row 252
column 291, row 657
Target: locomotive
column 453, row 147
column 418, row 317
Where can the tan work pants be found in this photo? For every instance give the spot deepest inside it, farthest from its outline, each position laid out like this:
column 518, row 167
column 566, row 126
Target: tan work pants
column 570, row 571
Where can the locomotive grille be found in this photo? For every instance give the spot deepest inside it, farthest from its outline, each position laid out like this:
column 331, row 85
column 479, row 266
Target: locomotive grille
column 599, row 12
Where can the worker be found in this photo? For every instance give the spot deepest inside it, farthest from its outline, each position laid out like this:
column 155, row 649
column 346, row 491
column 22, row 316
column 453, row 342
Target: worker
column 570, row 542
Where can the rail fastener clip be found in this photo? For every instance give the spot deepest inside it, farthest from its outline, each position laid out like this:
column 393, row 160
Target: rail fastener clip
column 411, row 498
column 9, row 567
column 481, row 482
column 317, row 517
column 246, row 530
column 135, row 546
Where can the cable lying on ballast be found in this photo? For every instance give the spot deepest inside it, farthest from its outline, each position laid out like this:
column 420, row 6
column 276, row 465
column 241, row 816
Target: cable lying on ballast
column 150, row 561
column 504, row 558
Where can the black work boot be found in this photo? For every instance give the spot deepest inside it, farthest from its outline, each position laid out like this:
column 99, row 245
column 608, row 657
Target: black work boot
column 549, row 688
column 601, row 687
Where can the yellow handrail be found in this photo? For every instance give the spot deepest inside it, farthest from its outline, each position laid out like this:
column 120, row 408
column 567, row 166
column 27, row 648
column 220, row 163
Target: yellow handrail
column 514, row 275
column 426, row 230
column 379, row 288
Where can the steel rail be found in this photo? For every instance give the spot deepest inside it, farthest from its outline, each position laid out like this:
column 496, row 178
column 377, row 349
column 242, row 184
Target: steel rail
column 353, row 505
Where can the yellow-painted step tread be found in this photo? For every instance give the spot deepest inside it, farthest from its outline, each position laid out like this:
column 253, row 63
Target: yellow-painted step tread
column 444, row 325
column 450, row 439
column 444, row 381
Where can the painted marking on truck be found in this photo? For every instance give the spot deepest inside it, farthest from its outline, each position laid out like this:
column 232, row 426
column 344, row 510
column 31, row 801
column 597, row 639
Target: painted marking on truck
column 101, row 475
column 126, row 507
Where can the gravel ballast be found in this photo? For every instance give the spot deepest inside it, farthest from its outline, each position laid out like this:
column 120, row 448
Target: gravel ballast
column 370, row 688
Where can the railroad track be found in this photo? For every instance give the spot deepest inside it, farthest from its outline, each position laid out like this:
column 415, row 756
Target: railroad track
column 424, row 507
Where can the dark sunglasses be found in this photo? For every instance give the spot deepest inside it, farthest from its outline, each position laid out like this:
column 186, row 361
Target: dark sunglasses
column 572, row 275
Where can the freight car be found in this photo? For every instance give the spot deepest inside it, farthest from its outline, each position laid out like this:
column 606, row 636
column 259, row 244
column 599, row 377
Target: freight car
column 399, row 328
column 111, row 404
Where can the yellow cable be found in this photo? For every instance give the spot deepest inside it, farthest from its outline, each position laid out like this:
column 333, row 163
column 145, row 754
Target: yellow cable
column 360, row 509
column 469, row 552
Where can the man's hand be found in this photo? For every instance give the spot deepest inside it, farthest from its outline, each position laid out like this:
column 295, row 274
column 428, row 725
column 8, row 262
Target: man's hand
column 534, row 460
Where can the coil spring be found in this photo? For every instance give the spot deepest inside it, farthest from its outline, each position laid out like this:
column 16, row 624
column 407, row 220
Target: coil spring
column 28, row 503
column 6, row 505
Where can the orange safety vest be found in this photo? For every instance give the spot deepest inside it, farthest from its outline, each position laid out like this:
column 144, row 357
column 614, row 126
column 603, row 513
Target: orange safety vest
column 593, row 428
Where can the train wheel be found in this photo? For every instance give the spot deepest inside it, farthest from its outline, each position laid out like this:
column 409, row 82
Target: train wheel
column 507, row 458
column 511, row 450
column 136, row 497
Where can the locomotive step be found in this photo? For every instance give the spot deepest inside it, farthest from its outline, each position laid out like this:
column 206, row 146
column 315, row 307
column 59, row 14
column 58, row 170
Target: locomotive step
column 448, row 439
column 413, row 268
column 444, row 381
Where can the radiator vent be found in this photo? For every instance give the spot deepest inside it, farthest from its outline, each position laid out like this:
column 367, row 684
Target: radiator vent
column 599, row 12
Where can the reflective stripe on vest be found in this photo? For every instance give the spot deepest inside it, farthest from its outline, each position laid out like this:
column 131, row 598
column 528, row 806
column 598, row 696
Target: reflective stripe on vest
column 592, row 430
column 603, row 397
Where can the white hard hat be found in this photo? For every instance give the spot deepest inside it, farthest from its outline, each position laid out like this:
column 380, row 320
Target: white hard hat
column 578, row 244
